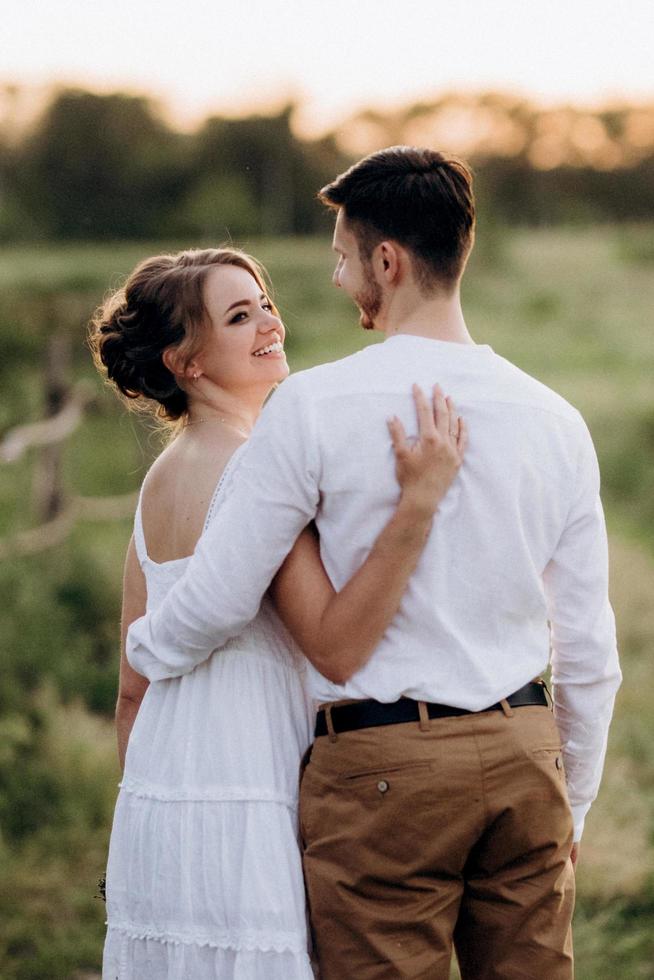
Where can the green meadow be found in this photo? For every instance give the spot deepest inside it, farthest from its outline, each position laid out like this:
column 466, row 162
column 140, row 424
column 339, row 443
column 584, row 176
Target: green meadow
column 571, row 306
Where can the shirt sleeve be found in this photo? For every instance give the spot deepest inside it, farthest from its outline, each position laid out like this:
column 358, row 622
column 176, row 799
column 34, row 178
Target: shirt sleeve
column 585, row 669
column 273, row 496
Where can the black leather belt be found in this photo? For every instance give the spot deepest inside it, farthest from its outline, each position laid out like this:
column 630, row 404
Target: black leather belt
column 370, row 714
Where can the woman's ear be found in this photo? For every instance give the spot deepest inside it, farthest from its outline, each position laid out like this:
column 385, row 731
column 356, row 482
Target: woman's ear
column 170, row 358
column 176, row 365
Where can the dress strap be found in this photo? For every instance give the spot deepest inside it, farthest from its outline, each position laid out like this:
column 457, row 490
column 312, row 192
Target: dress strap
column 139, row 537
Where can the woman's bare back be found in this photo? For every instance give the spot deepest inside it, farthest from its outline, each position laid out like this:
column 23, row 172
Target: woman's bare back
column 179, row 488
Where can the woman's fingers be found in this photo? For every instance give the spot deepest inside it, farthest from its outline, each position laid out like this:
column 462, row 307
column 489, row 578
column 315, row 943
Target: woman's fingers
column 398, row 435
column 439, row 418
column 441, row 411
column 453, row 419
column 446, row 415
column 426, row 425
column 462, row 437
column 426, row 466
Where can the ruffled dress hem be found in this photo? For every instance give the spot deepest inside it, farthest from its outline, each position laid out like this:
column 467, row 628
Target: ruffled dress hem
column 250, row 942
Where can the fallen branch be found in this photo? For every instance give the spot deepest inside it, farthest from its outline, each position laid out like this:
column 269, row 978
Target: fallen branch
column 49, row 431
column 54, row 532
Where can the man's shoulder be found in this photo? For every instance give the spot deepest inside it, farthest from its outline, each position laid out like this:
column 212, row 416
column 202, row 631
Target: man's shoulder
column 322, row 378
column 517, row 384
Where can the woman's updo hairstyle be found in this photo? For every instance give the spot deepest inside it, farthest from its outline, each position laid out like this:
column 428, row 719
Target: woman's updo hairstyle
column 161, row 305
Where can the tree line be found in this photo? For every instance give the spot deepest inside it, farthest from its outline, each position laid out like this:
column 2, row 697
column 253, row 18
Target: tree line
column 107, row 167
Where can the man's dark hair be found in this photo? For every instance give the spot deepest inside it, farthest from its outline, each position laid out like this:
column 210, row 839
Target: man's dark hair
column 416, row 197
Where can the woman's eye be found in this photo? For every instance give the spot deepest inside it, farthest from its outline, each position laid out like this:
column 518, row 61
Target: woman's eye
column 237, row 317
column 267, row 305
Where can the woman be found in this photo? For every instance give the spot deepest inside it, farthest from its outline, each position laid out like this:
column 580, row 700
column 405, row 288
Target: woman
column 204, row 877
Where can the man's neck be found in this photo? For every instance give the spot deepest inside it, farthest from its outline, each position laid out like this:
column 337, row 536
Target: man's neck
column 438, row 318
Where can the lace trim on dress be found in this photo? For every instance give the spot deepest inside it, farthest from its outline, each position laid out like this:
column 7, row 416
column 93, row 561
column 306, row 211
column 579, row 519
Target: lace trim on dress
column 219, row 485
column 240, row 941
column 229, row 794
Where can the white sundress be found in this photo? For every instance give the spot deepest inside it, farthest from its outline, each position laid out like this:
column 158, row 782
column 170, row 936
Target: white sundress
column 204, row 875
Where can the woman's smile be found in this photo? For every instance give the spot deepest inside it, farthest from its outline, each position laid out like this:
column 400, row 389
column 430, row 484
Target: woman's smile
column 274, row 349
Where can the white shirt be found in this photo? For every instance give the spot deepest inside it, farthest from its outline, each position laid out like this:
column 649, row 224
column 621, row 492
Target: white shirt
column 516, row 561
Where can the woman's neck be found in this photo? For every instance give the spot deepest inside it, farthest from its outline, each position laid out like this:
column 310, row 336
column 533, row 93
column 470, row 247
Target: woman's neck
column 240, row 410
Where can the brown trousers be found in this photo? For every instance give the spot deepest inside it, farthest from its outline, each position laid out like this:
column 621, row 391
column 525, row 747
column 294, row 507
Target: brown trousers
column 422, row 836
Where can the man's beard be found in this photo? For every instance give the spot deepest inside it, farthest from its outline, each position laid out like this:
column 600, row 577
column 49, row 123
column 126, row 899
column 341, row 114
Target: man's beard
column 369, row 301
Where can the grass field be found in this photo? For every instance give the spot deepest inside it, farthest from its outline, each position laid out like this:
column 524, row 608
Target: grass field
column 572, row 307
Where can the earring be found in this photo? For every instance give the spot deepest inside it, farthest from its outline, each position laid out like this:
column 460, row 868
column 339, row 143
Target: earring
column 195, row 375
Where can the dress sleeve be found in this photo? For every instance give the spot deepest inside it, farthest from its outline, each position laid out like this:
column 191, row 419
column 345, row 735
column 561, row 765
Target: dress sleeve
column 585, row 669
column 272, row 497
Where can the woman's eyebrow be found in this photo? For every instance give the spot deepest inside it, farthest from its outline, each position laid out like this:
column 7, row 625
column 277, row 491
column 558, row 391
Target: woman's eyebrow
column 239, row 302
column 243, row 302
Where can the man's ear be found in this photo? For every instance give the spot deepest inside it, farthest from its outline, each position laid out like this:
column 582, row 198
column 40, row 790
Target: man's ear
column 387, row 261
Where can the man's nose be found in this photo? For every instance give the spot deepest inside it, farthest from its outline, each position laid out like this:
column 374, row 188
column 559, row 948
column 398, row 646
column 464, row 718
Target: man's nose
column 336, row 277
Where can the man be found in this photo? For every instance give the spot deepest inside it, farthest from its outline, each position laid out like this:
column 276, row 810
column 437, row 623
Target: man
column 434, row 807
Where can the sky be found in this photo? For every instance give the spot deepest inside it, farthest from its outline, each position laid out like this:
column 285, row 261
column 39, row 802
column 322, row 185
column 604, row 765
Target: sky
column 199, row 57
